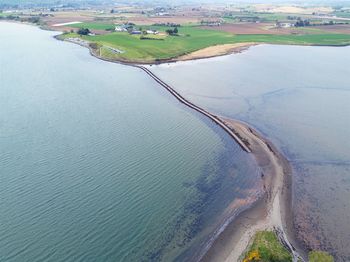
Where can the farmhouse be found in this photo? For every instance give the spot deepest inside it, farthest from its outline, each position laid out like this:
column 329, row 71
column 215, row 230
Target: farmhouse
column 283, row 25
column 120, row 29
column 152, row 32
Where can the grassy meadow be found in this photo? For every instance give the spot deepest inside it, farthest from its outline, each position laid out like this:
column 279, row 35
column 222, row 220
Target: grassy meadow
column 162, row 46
column 94, row 26
column 189, row 39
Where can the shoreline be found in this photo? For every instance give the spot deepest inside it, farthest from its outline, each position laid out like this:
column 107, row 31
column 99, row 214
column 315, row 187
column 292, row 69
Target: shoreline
column 215, row 51
column 272, row 211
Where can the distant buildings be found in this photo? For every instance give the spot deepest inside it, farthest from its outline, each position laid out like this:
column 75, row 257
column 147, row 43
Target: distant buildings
column 283, row 25
column 130, row 28
column 120, row 29
column 152, row 32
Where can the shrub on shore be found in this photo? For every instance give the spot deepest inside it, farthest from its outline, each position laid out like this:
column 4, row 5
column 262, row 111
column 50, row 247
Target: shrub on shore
column 320, row 256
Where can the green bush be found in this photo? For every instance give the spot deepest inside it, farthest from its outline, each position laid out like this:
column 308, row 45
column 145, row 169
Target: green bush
column 320, row 256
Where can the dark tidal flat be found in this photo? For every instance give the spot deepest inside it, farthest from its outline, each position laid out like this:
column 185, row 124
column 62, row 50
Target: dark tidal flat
column 298, row 97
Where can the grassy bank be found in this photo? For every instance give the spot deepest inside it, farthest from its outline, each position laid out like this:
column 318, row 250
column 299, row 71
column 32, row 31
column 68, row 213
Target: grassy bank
column 150, row 48
column 267, row 248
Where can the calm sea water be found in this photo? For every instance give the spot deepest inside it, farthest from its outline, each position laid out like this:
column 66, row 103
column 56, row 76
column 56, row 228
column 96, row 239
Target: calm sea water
column 299, row 98
column 99, row 163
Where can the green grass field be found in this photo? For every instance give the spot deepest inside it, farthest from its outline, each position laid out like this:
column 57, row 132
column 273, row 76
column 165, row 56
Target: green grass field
column 94, row 26
column 267, row 248
column 307, row 39
column 191, row 38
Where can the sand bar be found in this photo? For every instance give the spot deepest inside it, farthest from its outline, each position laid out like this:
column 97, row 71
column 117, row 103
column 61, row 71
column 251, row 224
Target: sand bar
column 68, row 23
column 272, row 212
column 216, row 50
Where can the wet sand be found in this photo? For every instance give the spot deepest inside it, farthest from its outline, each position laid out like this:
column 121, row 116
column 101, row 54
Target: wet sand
column 272, row 212
column 214, row 51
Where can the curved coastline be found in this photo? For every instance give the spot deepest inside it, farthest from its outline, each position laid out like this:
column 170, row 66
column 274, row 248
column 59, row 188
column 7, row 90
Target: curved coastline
column 272, row 211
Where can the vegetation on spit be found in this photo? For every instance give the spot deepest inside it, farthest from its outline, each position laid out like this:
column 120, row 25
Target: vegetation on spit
column 320, row 256
column 267, row 248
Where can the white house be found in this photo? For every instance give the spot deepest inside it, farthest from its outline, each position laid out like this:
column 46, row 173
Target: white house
column 120, row 29
column 283, row 25
column 152, row 32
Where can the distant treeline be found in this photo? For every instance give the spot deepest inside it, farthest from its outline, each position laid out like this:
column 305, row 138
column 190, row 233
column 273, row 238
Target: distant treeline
column 18, row 4
column 303, row 23
column 150, row 38
column 30, row 19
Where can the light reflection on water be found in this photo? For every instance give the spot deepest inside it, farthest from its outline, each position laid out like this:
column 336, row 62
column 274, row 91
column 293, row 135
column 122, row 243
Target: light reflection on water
column 299, row 98
column 99, row 163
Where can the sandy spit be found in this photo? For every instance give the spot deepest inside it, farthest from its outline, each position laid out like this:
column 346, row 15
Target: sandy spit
column 213, row 51
column 272, row 212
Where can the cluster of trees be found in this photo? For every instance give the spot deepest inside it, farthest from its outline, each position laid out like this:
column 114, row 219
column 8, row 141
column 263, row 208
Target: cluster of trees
column 301, row 23
column 30, row 19
column 150, row 38
column 10, row 17
column 34, row 19
column 174, row 31
column 83, row 31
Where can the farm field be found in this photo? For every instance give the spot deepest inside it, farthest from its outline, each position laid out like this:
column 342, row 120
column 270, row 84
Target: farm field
column 192, row 38
column 189, row 39
column 94, row 26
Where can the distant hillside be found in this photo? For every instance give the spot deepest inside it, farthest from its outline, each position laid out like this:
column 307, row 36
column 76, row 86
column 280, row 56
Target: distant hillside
column 74, row 3
column 33, row 3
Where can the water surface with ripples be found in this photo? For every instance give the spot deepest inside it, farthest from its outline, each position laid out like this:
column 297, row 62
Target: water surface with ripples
column 99, row 163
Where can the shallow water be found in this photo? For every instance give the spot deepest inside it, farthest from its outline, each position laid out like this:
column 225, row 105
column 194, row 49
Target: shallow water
column 99, row 163
column 299, row 98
